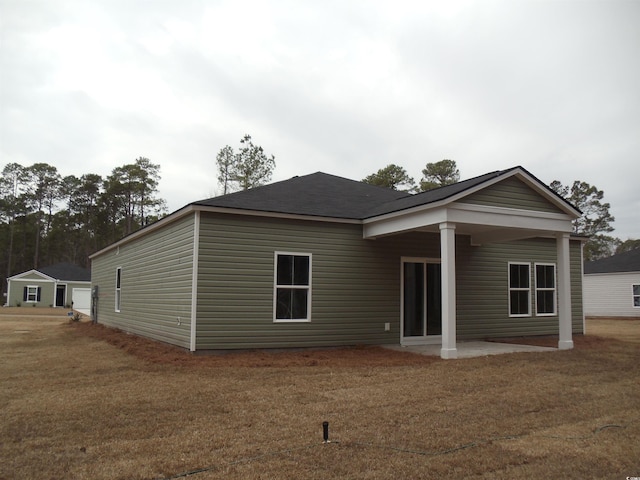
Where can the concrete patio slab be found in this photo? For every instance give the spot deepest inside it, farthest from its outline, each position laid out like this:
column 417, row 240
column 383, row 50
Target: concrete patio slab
column 472, row 349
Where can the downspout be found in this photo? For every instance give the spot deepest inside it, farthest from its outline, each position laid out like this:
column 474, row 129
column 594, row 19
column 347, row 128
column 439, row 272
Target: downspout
column 584, row 316
column 194, row 279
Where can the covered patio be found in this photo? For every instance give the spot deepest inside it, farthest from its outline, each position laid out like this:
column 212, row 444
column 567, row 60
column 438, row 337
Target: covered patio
column 485, row 221
column 472, row 349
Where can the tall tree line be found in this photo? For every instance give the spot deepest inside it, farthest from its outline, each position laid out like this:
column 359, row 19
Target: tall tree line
column 46, row 218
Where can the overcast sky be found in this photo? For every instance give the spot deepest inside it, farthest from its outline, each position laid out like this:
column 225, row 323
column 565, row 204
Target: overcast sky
column 343, row 87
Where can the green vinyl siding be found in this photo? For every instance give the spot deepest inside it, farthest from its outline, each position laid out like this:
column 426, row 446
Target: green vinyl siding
column 512, row 193
column 16, row 292
column 47, row 292
column 355, row 282
column 155, row 283
column 482, row 295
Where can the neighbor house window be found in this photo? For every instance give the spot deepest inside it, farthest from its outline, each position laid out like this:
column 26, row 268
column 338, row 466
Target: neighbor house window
column 31, row 294
column 292, row 287
column 118, row 291
column 519, row 290
column 545, row 289
column 636, row 295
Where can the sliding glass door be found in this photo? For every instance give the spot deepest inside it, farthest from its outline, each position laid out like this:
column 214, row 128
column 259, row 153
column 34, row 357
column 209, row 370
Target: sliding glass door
column 421, row 301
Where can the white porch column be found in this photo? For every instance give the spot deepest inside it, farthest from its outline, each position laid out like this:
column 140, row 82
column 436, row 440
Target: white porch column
column 565, row 341
column 448, row 259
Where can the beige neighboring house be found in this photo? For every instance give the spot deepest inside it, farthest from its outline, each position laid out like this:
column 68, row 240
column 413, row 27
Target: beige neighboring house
column 61, row 285
column 612, row 286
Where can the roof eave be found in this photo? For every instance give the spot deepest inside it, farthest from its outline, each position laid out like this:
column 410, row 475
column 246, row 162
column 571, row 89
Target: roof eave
column 172, row 217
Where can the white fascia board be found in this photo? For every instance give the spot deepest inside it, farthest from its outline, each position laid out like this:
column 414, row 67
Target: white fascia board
column 606, row 274
column 468, row 214
column 20, row 276
column 411, row 220
column 502, row 217
column 287, row 216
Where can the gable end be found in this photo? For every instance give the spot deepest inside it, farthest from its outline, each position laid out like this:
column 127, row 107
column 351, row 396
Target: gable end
column 512, row 193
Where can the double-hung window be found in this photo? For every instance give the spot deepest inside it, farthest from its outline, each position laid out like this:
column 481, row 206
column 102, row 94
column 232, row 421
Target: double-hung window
column 519, row 290
column 545, row 289
column 292, row 287
column 118, row 288
column 636, row 295
column 31, row 294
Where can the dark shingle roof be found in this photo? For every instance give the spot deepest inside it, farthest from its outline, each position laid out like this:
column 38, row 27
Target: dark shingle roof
column 432, row 196
column 67, row 271
column 623, row 262
column 324, row 195
column 318, row 194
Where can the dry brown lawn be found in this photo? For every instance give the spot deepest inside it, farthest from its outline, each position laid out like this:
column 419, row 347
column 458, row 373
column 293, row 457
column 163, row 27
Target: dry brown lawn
column 83, row 402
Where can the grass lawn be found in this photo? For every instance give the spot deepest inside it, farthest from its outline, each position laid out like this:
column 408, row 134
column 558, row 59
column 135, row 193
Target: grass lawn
column 83, row 402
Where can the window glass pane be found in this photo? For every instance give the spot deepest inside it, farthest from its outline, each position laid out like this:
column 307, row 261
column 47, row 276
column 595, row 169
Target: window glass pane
column 544, row 301
column 291, row 303
column 636, row 301
column 285, row 270
column 283, row 305
column 413, row 299
column 519, row 302
column 299, row 303
column 293, row 270
column 301, row 270
column 636, row 289
column 545, row 276
column 434, row 299
column 519, row 276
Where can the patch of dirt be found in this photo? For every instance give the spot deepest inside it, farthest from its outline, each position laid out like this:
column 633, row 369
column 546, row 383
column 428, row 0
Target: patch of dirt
column 34, row 312
column 162, row 353
column 579, row 341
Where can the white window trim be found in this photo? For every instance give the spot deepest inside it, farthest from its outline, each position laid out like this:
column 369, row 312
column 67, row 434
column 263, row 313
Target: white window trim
column 301, row 287
column 633, row 295
column 554, row 289
column 36, row 294
column 509, row 290
column 118, row 291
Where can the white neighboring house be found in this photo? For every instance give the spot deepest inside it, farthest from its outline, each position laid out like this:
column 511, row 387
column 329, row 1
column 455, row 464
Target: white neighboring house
column 611, row 286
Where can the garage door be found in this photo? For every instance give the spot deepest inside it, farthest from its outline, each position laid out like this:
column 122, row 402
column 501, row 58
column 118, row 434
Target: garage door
column 81, row 298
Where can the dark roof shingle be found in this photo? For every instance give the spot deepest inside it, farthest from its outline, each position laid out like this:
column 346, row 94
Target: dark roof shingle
column 432, row 196
column 623, row 262
column 318, row 194
column 324, row 195
column 67, row 271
